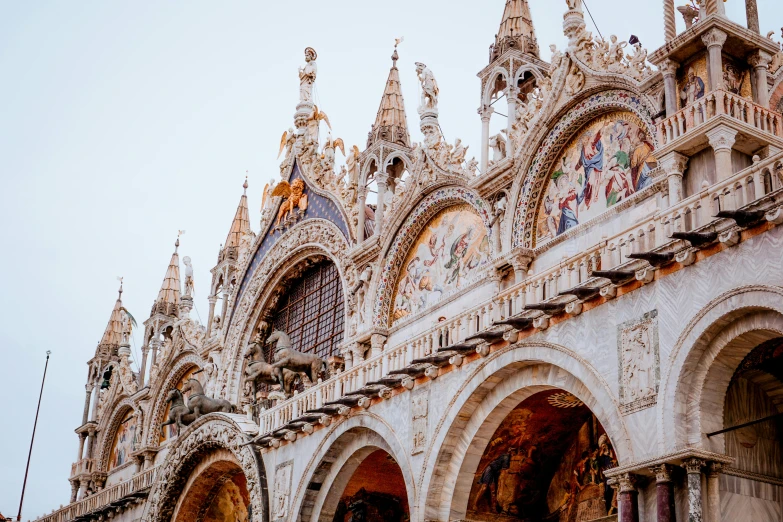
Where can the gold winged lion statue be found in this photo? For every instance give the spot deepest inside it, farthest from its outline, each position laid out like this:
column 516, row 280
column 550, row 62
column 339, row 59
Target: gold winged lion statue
column 294, row 198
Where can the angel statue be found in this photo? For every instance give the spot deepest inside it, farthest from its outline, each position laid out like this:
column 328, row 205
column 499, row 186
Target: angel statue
column 352, row 165
column 188, row 276
column 287, row 142
column 429, row 88
column 314, row 125
column 266, row 200
column 327, row 155
column 307, row 76
column 294, row 195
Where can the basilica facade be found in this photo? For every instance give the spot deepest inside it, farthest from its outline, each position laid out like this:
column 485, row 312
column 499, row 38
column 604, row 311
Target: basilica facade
column 585, row 323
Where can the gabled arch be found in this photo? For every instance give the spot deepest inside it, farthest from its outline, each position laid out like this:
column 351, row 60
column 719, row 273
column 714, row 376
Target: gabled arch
column 529, row 188
column 486, row 97
column 110, row 426
column 406, row 235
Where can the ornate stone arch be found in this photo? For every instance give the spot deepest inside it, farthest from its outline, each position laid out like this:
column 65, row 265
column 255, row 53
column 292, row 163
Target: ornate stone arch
column 173, row 373
column 209, row 433
column 528, row 68
column 365, row 172
column 493, row 388
column 702, row 362
column 341, row 451
column 400, row 156
column 408, row 232
column 110, row 426
column 312, row 237
column 497, row 71
column 528, row 189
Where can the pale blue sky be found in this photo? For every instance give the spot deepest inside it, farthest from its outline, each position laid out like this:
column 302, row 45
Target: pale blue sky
column 122, row 122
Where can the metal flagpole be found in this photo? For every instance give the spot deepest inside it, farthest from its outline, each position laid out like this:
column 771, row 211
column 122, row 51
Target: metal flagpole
column 32, row 439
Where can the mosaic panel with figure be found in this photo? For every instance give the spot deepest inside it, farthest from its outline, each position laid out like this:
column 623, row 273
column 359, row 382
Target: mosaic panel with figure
column 545, row 462
column 124, row 441
column 451, row 251
column 609, row 160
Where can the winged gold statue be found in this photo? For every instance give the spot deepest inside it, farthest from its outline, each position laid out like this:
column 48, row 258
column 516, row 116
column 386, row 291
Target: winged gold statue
column 294, row 198
column 287, row 141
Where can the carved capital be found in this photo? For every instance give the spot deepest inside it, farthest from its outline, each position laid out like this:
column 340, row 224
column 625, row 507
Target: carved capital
column 674, row 163
column 521, row 260
column 714, row 469
column 377, row 341
column 714, row 38
column 486, row 112
column 722, row 138
column 760, row 59
column 669, row 67
column 663, row 473
column 693, row 466
column 628, row 482
column 382, row 179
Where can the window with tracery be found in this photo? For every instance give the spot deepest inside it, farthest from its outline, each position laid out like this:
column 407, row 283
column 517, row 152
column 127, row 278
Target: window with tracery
column 312, row 313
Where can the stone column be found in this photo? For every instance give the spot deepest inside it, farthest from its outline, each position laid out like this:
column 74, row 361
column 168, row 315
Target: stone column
column 96, row 398
column 74, row 490
column 714, row 40
column 361, row 202
column 155, row 346
column 669, row 70
column 629, row 498
column 486, row 114
column 693, row 467
column 348, row 358
column 212, row 301
column 674, row 165
column 145, row 350
column 713, row 492
column 376, row 343
column 81, row 447
column 760, row 62
column 83, row 483
column 88, row 389
column 90, row 443
column 521, row 263
column 722, row 140
column 512, row 94
column 664, row 492
column 226, row 292
column 752, row 14
column 669, row 22
column 382, row 179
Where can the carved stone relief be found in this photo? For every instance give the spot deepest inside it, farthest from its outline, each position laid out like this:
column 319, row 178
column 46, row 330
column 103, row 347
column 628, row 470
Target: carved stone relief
column 282, row 493
column 637, row 347
column 419, row 409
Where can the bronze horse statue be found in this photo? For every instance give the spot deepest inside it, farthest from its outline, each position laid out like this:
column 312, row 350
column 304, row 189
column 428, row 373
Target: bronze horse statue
column 200, row 404
column 179, row 413
column 258, row 370
column 286, row 358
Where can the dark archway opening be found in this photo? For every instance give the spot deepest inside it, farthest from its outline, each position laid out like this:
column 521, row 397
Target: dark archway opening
column 375, row 493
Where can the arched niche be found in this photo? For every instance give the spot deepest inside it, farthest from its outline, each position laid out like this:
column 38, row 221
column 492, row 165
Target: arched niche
column 122, row 435
column 563, row 137
column 465, row 222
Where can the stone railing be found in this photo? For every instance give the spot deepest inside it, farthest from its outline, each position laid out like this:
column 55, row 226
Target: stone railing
column 713, row 104
column 84, row 466
column 650, row 233
column 110, row 495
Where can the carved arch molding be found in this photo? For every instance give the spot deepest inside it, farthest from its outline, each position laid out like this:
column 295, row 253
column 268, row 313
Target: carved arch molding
column 530, row 189
column 207, row 434
column 312, row 237
column 408, row 233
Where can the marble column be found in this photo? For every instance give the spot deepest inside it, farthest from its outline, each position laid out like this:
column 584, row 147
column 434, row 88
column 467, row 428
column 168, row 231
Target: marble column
column 96, row 397
column 752, row 14
column 674, row 165
column 713, row 492
column 90, row 443
column 693, row 467
column 361, row 203
column 155, row 347
column 512, row 96
column 212, row 301
column 486, row 114
column 714, row 40
column 81, row 447
column 521, row 264
column 83, row 483
column 669, row 21
column 382, row 179
column 669, row 70
column 145, row 350
column 74, row 490
column 664, row 493
column 722, row 140
column 88, row 389
column 376, row 344
column 760, row 62
column 226, row 292
column 629, row 498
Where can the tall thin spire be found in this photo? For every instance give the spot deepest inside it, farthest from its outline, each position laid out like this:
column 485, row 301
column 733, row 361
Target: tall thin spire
column 516, row 30
column 241, row 221
column 112, row 336
column 391, row 124
column 168, row 300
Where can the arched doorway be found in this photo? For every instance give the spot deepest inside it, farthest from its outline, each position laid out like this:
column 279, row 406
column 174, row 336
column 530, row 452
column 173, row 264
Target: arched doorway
column 545, row 462
column 375, row 492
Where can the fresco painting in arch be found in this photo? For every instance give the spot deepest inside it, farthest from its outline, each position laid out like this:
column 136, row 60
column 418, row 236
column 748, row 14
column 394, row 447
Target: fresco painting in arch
column 170, row 432
column 452, row 249
column 228, row 505
column 545, row 462
column 606, row 162
column 124, row 441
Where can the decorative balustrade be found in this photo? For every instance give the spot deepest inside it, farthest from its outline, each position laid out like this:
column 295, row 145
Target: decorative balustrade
column 650, row 233
column 84, row 466
column 713, row 104
column 112, row 494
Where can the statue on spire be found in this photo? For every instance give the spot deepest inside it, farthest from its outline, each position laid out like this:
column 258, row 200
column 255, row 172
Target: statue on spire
column 307, row 76
column 429, row 89
column 188, row 277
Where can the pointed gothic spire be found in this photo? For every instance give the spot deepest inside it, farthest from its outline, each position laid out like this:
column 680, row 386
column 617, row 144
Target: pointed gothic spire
column 112, row 336
column 168, row 300
column 516, row 30
column 241, row 221
column 391, row 124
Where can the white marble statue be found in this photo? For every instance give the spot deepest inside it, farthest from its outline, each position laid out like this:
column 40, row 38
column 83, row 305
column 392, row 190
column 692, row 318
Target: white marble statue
column 429, row 88
column 556, row 60
column 574, row 5
column 498, row 145
column 188, row 276
column 307, row 76
column 352, row 166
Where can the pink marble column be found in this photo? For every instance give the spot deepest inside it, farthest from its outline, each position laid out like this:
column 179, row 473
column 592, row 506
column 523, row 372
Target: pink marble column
column 629, row 498
column 664, row 490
